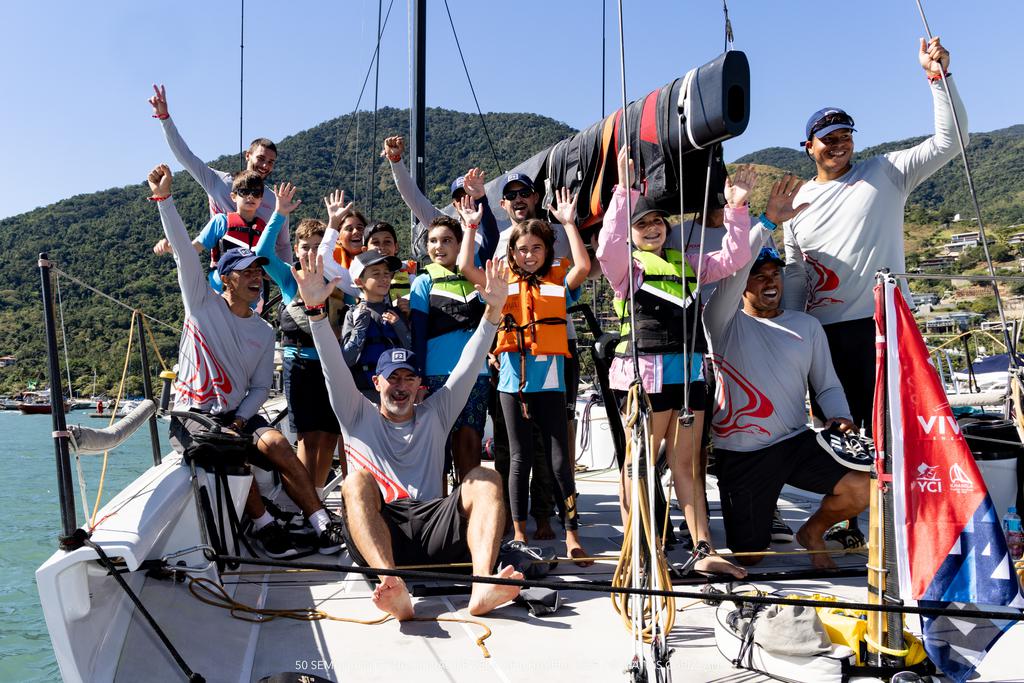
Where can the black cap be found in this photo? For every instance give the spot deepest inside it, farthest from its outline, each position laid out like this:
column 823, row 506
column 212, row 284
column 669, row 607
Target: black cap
column 371, row 258
column 643, row 207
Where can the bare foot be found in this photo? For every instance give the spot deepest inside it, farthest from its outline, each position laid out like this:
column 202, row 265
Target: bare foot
column 574, row 549
column 544, row 530
column 715, row 564
column 488, row 596
column 391, row 596
column 812, row 542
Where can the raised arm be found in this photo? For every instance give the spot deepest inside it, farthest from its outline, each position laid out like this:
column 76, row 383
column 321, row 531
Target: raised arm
column 280, row 271
column 613, row 240
column 565, row 214
column 470, row 213
column 420, row 206
column 215, row 183
column 337, row 212
column 734, row 253
column 919, row 162
column 191, row 278
column 474, row 187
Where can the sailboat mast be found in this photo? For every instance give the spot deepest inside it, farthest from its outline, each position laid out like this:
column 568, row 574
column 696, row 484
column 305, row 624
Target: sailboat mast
column 418, row 106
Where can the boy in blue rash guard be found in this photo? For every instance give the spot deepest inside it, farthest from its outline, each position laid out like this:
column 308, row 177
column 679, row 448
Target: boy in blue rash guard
column 309, row 414
column 445, row 311
column 373, row 325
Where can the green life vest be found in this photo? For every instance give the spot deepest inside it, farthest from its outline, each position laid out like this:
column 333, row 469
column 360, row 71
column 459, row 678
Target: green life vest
column 400, row 285
column 454, row 304
column 659, row 305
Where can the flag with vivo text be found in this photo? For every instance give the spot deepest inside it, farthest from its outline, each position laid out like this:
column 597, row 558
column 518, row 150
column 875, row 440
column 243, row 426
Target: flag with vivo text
column 950, row 547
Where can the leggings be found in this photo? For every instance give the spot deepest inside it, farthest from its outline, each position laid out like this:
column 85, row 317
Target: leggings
column 547, row 412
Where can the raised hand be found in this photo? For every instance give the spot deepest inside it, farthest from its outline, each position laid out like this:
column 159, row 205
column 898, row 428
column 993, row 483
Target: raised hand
column 159, row 102
column 286, row 202
column 625, row 166
column 565, row 212
column 474, row 183
column 933, row 57
column 739, row 185
column 495, row 288
column 394, row 147
column 470, row 211
column 780, row 201
column 162, row 247
column 337, row 209
column 313, row 289
column 159, row 180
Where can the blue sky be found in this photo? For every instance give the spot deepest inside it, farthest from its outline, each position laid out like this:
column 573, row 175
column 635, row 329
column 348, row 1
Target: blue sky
column 77, row 75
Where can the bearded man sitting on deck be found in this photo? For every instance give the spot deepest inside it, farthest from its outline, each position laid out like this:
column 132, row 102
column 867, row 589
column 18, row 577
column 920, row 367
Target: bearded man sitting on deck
column 392, row 497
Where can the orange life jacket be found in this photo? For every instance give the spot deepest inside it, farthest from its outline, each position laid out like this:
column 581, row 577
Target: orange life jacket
column 534, row 317
column 342, row 256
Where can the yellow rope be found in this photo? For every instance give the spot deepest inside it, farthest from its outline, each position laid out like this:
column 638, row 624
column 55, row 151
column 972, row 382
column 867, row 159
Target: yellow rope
column 113, row 417
column 218, row 597
column 152, row 341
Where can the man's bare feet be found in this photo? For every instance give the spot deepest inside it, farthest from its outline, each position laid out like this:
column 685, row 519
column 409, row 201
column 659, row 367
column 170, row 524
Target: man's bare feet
column 715, row 564
column 391, row 596
column 812, row 541
column 544, row 530
column 574, row 549
column 488, row 596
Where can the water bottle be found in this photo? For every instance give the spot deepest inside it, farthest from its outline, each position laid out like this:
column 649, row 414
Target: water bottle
column 1014, row 534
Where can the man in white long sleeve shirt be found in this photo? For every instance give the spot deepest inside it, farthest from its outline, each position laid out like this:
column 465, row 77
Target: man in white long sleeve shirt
column 260, row 157
column 393, row 504
column 226, row 366
column 762, row 357
column 854, row 227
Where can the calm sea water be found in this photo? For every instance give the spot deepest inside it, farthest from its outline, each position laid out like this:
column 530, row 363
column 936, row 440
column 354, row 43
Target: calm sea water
column 30, row 525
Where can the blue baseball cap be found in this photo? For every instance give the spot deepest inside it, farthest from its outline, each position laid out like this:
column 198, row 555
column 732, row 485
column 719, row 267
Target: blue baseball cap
column 518, row 178
column 239, row 258
column 457, row 185
column 396, row 359
column 768, row 255
column 824, row 121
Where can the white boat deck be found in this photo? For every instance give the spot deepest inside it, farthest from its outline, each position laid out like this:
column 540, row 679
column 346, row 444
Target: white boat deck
column 584, row 639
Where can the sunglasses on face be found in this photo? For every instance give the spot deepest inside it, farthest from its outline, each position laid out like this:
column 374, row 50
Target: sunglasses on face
column 835, row 118
column 510, row 195
column 249, row 193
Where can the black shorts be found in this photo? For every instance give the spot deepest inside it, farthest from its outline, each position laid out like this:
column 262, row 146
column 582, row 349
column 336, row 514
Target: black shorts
column 571, row 376
column 422, row 531
column 309, row 406
column 670, row 397
column 851, row 344
column 181, row 435
column 750, row 484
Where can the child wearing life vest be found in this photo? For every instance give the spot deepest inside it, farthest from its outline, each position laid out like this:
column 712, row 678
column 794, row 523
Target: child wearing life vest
column 309, row 414
column 532, row 343
column 445, row 311
column 665, row 282
column 373, row 325
column 381, row 236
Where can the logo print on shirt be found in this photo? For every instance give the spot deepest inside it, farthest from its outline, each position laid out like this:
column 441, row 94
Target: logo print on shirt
column 209, row 381
column 389, row 488
column 733, row 416
column 825, row 280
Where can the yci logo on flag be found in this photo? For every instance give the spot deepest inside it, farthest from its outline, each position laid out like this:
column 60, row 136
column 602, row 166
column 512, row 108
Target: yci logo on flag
column 928, row 479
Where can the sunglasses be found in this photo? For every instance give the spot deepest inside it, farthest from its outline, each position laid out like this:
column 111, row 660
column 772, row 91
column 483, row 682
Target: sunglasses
column 249, row 193
column 836, row 117
column 509, row 195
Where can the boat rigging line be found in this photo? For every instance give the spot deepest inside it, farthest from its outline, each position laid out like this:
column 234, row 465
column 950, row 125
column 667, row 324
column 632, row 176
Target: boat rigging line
column 483, row 121
column 241, row 87
column 77, row 281
column 974, row 196
column 728, row 26
column 371, row 167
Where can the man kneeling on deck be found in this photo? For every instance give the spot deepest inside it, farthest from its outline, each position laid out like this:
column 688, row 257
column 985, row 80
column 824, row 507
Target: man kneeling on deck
column 393, row 507
column 762, row 356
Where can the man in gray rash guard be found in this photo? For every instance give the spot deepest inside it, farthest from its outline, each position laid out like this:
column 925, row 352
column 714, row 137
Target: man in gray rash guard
column 763, row 357
column 392, row 496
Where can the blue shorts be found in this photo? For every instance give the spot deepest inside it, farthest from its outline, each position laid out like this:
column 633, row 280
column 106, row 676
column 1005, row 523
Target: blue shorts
column 474, row 415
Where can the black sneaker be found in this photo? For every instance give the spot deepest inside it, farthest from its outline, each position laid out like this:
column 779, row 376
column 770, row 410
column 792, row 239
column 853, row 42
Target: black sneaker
column 275, row 541
column 842, row 538
column 332, row 539
column 781, row 533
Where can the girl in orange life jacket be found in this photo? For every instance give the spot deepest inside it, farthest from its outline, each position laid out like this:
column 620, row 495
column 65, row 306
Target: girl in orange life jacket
column 532, row 342
column 445, row 312
column 664, row 280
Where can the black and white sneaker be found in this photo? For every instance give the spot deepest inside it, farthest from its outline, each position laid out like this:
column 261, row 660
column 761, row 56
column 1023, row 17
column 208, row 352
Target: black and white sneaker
column 781, row 532
column 843, row 538
column 332, row 538
column 275, row 541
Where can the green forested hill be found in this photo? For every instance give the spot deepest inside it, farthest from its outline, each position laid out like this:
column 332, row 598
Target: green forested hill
column 104, row 238
column 997, row 163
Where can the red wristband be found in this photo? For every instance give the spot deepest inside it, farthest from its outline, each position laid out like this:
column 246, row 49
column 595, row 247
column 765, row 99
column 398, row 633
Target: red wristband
column 394, row 159
column 154, row 198
column 937, row 77
column 472, row 226
column 161, row 116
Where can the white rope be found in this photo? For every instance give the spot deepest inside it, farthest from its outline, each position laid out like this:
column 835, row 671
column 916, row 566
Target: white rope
column 64, row 341
column 120, row 303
